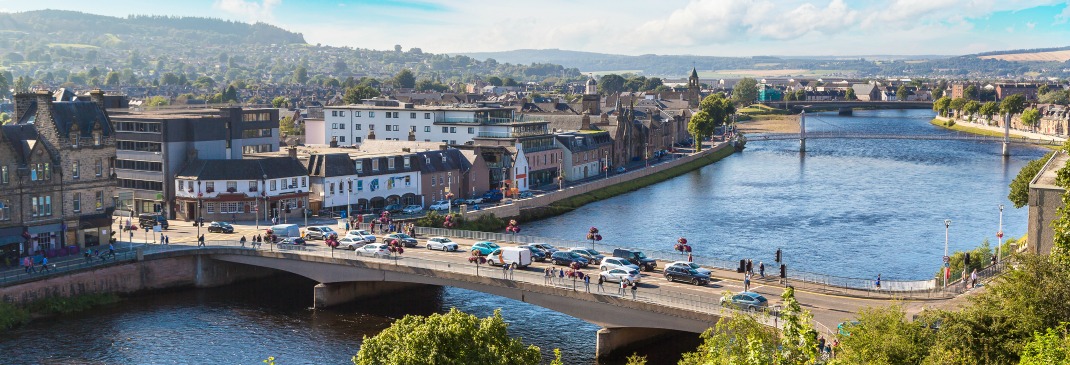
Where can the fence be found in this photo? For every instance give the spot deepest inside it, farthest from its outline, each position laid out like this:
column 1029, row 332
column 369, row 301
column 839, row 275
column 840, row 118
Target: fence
column 63, row 267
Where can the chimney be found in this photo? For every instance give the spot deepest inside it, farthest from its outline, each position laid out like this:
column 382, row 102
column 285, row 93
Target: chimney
column 97, row 96
column 371, row 134
column 412, row 135
column 292, row 151
column 44, row 99
column 585, row 123
column 443, row 147
column 22, row 103
column 334, row 142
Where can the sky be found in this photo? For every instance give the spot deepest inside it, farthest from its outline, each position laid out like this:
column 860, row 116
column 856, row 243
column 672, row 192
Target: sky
column 634, row 27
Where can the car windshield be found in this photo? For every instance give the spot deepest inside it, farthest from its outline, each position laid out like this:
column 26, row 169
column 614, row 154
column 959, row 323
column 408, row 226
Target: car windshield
column 693, row 265
column 692, row 271
column 402, row 235
column 326, row 229
column 574, row 255
column 633, row 273
column 592, row 251
column 640, row 255
column 492, row 245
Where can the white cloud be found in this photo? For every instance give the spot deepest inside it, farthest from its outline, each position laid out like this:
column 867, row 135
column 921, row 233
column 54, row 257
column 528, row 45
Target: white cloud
column 249, row 10
column 1064, row 16
column 1030, row 25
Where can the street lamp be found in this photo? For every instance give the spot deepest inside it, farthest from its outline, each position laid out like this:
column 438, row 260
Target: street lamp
column 999, row 235
column 349, row 198
column 947, row 262
column 449, row 191
column 261, row 193
column 606, row 164
column 197, row 219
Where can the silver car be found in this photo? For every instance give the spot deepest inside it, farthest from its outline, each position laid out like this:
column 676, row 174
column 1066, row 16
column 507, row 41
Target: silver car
column 618, row 275
column 610, row 263
column 441, row 243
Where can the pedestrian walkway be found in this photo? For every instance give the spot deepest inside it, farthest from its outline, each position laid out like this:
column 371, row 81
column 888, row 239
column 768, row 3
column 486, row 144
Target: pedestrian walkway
column 981, row 124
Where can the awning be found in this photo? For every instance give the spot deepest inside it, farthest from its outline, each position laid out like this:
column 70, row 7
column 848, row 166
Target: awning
column 55, row 227
column 10, row 235
column 94, row 221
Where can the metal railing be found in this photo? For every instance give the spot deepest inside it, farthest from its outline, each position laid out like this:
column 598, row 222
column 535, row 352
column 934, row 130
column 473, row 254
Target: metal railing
column 60, row 267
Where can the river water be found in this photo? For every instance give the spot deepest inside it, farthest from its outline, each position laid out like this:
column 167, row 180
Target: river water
column 846, row 207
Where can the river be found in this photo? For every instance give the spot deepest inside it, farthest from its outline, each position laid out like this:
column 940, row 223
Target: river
column 846, row 207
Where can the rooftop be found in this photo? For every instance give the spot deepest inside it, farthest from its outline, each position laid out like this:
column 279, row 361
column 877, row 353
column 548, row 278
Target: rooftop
column 1045, row 179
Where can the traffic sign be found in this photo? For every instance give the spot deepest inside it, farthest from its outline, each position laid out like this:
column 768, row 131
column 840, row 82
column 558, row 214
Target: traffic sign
column 999, row 234
column 947, row 259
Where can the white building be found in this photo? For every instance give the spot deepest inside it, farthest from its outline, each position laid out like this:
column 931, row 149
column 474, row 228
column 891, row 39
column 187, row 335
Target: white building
column 246, row 189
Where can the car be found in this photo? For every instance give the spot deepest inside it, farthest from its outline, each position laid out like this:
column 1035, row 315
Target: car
column 148, row 220
column 404, row 238
column 475, row 200
column 550, row 249
column 844, row 328
column 686, row 274
column 459, row 201
column 318, row 232
column 537, row 254
column 526, row 194
column 292, row 241
column 412, row 209
column 749, row 301
column 636, row 257
column 692, row 265
column 610, row 263
column 220, row 227
column 440, row 205
column 620, row 170
column 393, row 208
column 368, row 237
column 628, row 276
column 374, row 250
column 492, row 196
column 566, row 258
column 441, row 243
column 484, row 248
column 591, row 255
column 351, row 243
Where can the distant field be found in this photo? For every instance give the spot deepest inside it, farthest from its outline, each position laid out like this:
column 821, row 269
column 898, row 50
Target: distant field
column 71, row 45
column 771, row 64
column 617, row 72
column 768, row 73
column 1054, row 56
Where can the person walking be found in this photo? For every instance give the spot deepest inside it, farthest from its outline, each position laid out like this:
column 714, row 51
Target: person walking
column 601, row 289
column 166, row 240
column 973, row 278
column 200, row 241
column 746, row 282
column 761, row 268
column 635, row 288
column 587, row 282
column 561, row 276
column 878, row 282
column 27, row 264
column 111, row 250
column 242, row 241
column 689, row 258
column 88, row 255
column 622, row 286
column 44, row 263
column 750, row 266
column 512, row 268
column 546, row 275
column 505, row 271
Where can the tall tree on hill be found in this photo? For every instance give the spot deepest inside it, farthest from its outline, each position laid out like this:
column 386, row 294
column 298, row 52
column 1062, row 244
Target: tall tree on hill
column 300, row 75
column 494, row 81
column 800, row 94
column 230, row 94
column 745, row 92
column 850, row 94
column 5, row 84
column 112, row 80
column 611, row 84
column 937, row 93
column 405, row 79
column 508, row 81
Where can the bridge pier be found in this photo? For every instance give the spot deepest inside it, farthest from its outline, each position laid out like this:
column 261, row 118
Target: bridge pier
column 847, row 111
column 612, row 341
column 331, row 294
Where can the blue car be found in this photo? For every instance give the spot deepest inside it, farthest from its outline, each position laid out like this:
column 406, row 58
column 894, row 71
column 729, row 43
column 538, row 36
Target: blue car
column 749, row 301
column 484, row 248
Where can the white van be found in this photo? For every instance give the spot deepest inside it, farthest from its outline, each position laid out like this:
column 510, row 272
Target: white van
column 509, row 256
column 286, row 230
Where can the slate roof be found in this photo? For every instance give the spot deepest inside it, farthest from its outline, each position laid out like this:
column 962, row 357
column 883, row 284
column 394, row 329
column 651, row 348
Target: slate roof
column 85, row 114
column 21, row 137
column 431, row 161
column 246, row 169
column 330, row 165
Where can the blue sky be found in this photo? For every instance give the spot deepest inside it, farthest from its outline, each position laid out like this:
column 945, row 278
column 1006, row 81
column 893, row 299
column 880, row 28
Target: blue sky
column 699, row 27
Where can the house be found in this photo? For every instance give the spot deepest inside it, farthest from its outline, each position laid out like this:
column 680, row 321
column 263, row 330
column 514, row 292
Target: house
column 585, row 153
column 1045, row 199
column 57, row 176
column 866, row 92
column 255, row 188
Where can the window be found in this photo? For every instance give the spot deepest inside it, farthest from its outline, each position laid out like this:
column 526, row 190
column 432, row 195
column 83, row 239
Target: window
column 137, row 146
column 273, row 185
column 356, row 127
column 427, row 115
column 98, row 139
column 334, row 113
column 100, row 201
column 100, row 168
column 304, row 182
column 453, row 141
column 471, row 130
column 252, row 186
column 181, row 184
column 4, row 177
column 371, row 114
column 360, row 166
column 375, row 164
column 356, row 139
column 144, row 184
column 342, row 139
column 293, row 182
column 232, row 186
column 332, row 189
column 77, row 202
column 427, row 129
column 453, row 129
column 209, row 207
column 395, row 114
column 371, row 127
column 412, row 129
column 406, row 161
column 41, row 206
column 334, row 125
column 261, row 132
column 388, row 114
column 356, row 113
column 283, row 183
column 390, row 163
column 432, row 181
column 5, row 210
column 139, row 165
column 412, row 115
column 445, row 129
column 209, row 187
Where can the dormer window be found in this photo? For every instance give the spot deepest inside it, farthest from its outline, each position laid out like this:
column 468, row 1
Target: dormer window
column 406, row 162
column 390, row 163
column 360, row 166
column 98, row 139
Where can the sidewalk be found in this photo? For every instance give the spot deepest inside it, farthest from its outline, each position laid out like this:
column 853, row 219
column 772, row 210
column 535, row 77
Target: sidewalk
column 979, row 124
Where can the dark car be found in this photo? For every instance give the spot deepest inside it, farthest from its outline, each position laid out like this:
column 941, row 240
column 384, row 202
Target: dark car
column 221, row 227
column 636, row 257
column 565, row 258
column 686, row 274
column 292, row 241
column 492, row 196
column 147, row 220
column 537, row 254
column 550, row 249
column 404, row 238
column 393, row 208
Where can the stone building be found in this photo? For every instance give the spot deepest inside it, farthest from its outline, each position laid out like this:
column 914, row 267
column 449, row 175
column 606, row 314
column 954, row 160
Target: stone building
column 1045, row 199
column 56, row 176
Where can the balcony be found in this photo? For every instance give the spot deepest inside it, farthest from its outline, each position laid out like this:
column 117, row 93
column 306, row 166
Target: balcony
column 511, row 134
column 474, row 120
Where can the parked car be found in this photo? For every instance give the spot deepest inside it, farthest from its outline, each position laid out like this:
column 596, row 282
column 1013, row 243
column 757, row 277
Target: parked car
column 286, row 230
column 374, row 250
column 692, row 265
column 566, row 258
column 459, row 201
column 412, row 209
column 637, row 257
column 393, row 208
column 591, row 255
column 526, row 194
column 318, row 232
column 148, row 220
column 749, row 301
column 610, row 263
column 292, row 241
column 492, row 196
column 537, row 254
column 475, row 200
column 844, row 328
column 519, row 256
column 366, row 236
column 404, row 238
column 550, row 249
column 617, row 275
column 220, row 227
column 620, row 170
column 440, row 205
column 441, row 243
column 686, row 274
column 351, row 243
column 484, row 248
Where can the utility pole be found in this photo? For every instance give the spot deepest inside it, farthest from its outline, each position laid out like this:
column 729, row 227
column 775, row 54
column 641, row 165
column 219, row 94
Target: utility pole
column 1000, row 235
column 947, row 262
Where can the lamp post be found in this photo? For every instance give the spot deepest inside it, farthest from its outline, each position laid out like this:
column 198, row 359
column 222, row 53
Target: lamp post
column 449, row 191
column 606, row 164
column 262, row 193
column 349, row 198
column 947, row 262
column 999, row 235
column 197, row 220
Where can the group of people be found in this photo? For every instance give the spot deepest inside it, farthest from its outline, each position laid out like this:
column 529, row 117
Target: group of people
column 827, row 348
column 256, row 242
column 35, row 263
column 550, row 274
column 748, row 273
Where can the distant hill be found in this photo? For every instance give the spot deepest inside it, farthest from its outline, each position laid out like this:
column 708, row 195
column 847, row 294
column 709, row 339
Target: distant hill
column 1059, row 54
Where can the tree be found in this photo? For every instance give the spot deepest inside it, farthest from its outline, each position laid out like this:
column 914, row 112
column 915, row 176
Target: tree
column 941, row 105
column 280, row 102
column 1013, row 104
column 1050, row 347
column 1061, row 97
column 340, row 66
column 745, row 92
column 700, row 126
column 494, row 81
column 901, row 93
column 1031, row 117
column 157, row 101
column 652, row 83
column 5, row 84
column 719, row 108
column 112, row 80
column 611, row 84
column 405, row 79
column 230, row 94
column 1019, row 187
column 971, row 108
column 356, row 94
column 799, row 336
column 970, row 92
column 170, row 79
column 300, row 75
column 508, row 81
column 451, row 338
column 1043, row 89
column 881, row 336
column 287, row 127
column 737, row 339
column 204, row 82
column 957, row 104
column 938, row 93
column 988, row 109
column 850, row 94
column 4, row 118
column 800, row 95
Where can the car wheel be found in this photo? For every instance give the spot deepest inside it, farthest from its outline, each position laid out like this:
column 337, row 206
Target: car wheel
column 603, row 268
column 444, row 248
column 429, row 247
column 669, row 278
column 694, row 282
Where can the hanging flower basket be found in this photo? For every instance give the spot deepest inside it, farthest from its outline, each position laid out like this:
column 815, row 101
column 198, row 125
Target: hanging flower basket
column 477, row 259
column 682, row 241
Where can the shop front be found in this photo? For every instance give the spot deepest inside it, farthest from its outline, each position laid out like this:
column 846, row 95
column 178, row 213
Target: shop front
column 10, row 245
column 94, row 230
column 44, row 238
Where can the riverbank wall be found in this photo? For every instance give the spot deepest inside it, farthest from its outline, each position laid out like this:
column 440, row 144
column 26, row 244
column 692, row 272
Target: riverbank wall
column 568, row 199
column 164, row 271
column 983, row 129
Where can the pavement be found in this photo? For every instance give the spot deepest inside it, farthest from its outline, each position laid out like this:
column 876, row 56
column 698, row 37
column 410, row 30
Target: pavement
column 980, row 124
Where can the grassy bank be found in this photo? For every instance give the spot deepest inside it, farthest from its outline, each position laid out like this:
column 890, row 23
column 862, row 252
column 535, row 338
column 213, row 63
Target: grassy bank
column 570, row 204
column 12, row 316
column 978, row 131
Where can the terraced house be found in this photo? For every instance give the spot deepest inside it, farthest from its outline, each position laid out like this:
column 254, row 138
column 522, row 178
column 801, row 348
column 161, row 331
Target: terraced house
column 56, row 175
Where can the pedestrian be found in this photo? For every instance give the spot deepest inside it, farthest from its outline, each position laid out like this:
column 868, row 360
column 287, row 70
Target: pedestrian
column 242, row 241
column 835, row 345
column 161, row 237
column 561, row 276
column 166, row 240
column 200, row 241
column 746, row 282
column 44, row 263
column 821, row 344
column 587, row 282
column 878, row 282
column 505, row 271
column 546, row 275
column 761, row 268
column 973, row 278
column 601, row 288
column 750, row 266
column 111, row 250
column 965, row 283
column 635, row 287
column 88, row 255
column 689, row 258
column 27, row 264
column 622, row 286
column 512, row 268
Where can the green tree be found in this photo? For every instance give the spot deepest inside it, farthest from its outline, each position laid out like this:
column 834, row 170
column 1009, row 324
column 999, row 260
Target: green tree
column 988, row 109
column 700, row 126
column 971, row 108
column 494, row 81
column 1019, row 187
column 938, row 93
column 1031, row 117
column 745, row 92
column 4, row 118
column 739, row 339
column 112, row 80
column 902, row 92
column 800, row 95
column 230, row 94
column 405, row 79
column 1050, row 347
column 5, row 84
column 1043, row 89
column 356, row 94
column 718, row 107
column 941, row 105
column 300, row 75
column 611, row 84
column 652, row 83
column 881, row 336
column 288, row 128
column 1014, row 104
column 850, row 94
column 1061, row 97
column 170, row 79
column 957, row 104
column 204, row 82
column 280, row 102
column 799, row 336
column 508, row 81
column 451, row 338
column 970, row 92
column 157, row 101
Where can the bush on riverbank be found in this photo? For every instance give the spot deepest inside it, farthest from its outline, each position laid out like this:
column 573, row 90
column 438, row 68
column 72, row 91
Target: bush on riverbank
column 12, row 316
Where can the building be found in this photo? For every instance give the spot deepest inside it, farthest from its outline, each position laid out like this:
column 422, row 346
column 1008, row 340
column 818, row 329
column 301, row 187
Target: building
column 154, row 146
column 1045, row 199
column 586, row 153
column 56, row 176
column 769, row 93
column 255, row 188
column 866, row 92
column 1029, row 91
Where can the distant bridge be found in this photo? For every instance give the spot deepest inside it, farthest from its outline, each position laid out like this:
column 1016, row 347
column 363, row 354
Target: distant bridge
column 929, row 137
column 850, row 104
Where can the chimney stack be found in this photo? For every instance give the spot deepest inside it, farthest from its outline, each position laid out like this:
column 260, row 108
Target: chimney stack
column 334, row 142
column 22, row 104
column 97, row 96
column 585, row 122
column 44, row 99
column 292, row 151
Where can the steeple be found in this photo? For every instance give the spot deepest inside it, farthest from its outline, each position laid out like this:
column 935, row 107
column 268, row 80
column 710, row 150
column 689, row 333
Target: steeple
column 693, row 94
